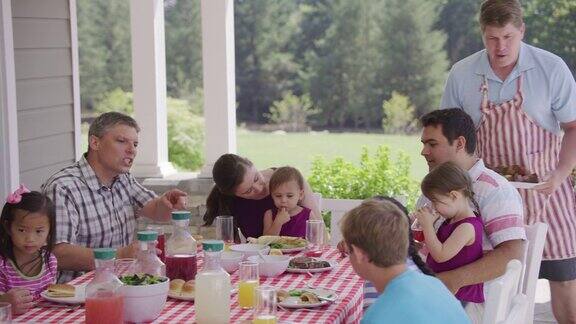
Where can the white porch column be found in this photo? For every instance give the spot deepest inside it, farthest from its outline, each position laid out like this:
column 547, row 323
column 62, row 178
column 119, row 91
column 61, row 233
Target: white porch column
column 9, row 157
column 149, row 87
column 219, row 80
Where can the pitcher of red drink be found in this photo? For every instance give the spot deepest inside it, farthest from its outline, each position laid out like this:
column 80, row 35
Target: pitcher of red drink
column 104, row 298
column 181, row 249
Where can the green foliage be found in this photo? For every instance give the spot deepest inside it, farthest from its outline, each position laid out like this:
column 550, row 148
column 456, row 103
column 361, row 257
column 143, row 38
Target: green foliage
column 343, row 66
column 265, row 67
column 398, row 114
column 349, row 56
column 376, row 175
column 185, row 127
column 115, row 100
column 183, row 48
column 104, row 47
column 185, row 136
column 414, row 62
column 459, row 20
column 292, row 112
column 551, row 25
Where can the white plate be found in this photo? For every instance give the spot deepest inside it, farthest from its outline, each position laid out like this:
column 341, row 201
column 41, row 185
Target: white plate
column 294, row 302
column 177, row 296
column 524, row 185
column 79, row 298
column 333, row 265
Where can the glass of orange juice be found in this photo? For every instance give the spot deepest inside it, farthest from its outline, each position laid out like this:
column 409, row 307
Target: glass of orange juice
column 249, row 279
column 265, row 308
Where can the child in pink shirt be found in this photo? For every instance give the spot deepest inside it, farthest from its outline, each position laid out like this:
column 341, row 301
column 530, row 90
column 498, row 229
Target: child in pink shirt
column 27, row 265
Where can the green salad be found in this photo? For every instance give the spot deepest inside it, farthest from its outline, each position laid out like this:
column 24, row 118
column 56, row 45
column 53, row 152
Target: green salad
column 141, row 280
column 296, row 293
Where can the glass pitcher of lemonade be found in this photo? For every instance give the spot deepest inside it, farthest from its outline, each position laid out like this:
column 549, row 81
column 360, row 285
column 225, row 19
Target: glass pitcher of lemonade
column 181, row 249
column 104, row 298
column 148, row 261
column 212, row 300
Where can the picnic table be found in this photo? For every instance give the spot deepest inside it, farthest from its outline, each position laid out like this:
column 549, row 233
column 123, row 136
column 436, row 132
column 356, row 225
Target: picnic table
column 342, row 279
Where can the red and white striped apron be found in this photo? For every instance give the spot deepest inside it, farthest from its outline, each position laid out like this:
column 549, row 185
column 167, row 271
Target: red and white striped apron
column 508, row 136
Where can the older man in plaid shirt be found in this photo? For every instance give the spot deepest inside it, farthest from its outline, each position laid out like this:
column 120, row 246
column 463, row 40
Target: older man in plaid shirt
column 97, row 199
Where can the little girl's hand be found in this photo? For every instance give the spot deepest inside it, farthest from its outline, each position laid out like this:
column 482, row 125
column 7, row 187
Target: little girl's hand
column 425, row 217
column 283, row 217
column 21, row 300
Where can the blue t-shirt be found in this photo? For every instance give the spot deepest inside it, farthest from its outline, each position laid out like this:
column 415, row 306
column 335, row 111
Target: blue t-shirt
column 413, row 298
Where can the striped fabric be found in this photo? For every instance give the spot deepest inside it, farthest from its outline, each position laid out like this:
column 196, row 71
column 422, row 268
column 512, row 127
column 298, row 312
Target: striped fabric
column 342, row 279
column 11, row 277
column 508, row 136
column 92, row 215
column 500, row 207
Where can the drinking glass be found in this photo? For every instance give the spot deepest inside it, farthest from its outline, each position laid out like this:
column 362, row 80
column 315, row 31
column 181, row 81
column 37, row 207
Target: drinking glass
column 416, row 228
column 265, row 308
column 225, row 229
column 314, row 236
column 249, row 280
column 417, row 231
column 5, row 313
column 124, row 267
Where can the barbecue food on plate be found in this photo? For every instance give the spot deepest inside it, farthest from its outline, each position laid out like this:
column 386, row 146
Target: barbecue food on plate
column 516, row 173
column 305, row 297
column 61, row 290
column 279, row 242
column 276, row 252
column 309, row 298
column 179, row 287
column 281, row 295
column 308, row 263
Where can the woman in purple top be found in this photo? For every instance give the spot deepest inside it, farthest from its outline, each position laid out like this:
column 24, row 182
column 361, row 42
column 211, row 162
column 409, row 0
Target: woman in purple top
column 458, row 241
column 242, row 191
column 287, row 218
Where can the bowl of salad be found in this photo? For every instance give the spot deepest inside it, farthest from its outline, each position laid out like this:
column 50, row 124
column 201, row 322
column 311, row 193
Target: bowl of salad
column 144, row 296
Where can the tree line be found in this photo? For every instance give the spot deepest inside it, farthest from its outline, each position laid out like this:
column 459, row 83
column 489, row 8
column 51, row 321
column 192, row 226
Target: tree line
column 346, row 57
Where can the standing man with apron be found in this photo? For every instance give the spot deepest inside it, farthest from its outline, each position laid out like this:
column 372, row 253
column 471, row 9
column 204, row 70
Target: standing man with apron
column 523, row 102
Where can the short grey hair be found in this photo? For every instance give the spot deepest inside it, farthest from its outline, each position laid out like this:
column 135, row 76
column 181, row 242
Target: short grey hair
column 104, row 122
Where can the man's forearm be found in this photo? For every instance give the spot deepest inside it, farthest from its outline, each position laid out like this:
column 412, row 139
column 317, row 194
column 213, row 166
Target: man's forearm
column 490, row 266
column 567, row 156
column 74, row 258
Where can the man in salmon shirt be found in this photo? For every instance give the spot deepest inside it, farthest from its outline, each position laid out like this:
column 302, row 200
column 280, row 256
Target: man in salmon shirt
column 522, row 100
column 449, row 135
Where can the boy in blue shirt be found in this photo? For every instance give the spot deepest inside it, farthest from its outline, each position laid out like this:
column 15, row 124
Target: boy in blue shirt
column 376, row 236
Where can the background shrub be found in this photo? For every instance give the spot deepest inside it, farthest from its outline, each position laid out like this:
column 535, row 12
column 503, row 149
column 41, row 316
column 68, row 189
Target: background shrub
column 291, row 113
column 398, row 114
column 377, row 174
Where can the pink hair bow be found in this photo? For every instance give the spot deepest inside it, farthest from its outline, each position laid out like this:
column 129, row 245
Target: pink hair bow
column 16, row 196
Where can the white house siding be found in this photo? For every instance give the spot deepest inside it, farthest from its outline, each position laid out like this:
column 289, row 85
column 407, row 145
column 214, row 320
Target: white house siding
column 44, row 87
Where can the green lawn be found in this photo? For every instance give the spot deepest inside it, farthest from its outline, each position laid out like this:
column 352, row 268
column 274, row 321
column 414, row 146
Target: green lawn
column 299, row 149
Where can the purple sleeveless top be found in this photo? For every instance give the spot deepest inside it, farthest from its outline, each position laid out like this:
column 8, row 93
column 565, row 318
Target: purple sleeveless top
column 468, row 254
column 249, row 214
column 296, row 226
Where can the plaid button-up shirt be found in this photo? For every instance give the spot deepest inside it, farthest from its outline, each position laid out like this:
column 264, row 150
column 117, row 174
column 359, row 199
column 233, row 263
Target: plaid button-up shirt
column 90, row 214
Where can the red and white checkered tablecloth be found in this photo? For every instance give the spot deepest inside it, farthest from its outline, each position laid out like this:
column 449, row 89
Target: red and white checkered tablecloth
column 346, row 309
